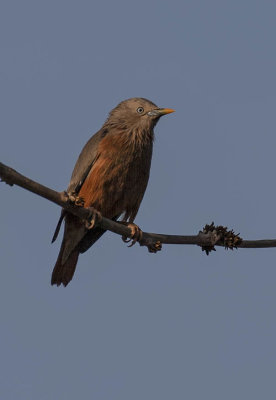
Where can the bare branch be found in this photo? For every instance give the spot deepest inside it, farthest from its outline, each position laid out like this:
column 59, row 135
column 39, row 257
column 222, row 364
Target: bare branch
column 208, row 238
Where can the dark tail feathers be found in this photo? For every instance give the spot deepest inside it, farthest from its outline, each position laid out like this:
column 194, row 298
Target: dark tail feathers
column 62, row 215
column 63, row 273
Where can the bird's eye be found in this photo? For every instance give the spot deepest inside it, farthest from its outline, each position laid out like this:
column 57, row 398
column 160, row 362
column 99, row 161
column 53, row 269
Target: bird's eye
column 140, row 110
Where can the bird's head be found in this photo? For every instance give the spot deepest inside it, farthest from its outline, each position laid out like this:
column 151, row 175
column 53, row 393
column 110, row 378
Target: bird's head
column 136, row 114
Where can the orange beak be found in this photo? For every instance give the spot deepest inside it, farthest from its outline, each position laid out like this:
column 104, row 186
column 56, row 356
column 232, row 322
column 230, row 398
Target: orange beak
column 164, row 111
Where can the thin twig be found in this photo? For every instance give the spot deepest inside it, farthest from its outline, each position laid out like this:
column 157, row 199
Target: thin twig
column 206, row 239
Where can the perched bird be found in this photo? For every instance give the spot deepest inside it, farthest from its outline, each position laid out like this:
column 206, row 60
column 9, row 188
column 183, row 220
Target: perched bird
column 111, row 175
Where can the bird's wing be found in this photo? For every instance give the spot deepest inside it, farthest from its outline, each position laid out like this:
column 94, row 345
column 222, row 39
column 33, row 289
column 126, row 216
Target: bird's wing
column 91, row 237
column 86, row 159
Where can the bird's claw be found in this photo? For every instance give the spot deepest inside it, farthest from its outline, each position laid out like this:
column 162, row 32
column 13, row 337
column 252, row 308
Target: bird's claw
column 74, row 199
column 94, row 218
column 136, row 234
column 79, row 201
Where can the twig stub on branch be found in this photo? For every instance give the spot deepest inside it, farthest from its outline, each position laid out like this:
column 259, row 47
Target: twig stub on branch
column 221, row 235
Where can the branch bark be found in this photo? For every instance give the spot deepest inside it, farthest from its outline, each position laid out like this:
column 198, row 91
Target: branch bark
column 208, row 238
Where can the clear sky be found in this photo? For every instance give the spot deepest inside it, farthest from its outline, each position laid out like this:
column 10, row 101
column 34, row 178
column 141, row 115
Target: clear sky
column 134, row 325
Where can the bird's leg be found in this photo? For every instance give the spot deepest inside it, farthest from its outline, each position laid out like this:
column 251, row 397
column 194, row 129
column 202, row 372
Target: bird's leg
column 74, row 199
column 136, row 233
column 94, row 218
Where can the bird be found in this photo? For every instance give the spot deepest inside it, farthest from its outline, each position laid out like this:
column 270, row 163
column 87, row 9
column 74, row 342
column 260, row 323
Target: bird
column 111, row 175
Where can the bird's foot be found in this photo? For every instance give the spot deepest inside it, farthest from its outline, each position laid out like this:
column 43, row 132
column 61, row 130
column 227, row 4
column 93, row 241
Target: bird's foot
column 74, row 199
column 136, row 234
column 94, row 218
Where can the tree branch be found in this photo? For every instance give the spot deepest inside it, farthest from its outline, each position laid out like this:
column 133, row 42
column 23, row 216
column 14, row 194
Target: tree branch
column 208, row 238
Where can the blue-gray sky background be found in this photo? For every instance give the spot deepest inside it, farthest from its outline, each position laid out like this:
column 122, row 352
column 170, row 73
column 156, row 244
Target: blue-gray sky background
column 133, row 325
